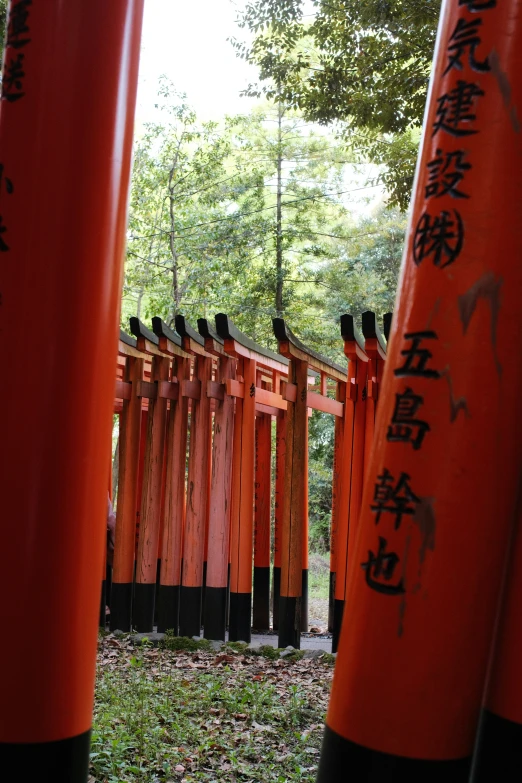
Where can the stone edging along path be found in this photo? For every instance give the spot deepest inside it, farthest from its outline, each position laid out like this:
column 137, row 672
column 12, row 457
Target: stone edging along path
column 263, row 645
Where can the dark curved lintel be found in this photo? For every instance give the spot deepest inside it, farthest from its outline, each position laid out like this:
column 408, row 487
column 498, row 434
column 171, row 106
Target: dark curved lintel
column 284, row 334
column 185, row 330
column 370, row 329
column 349, row 331
column 161, row 329
column 207, row 332
column 387, row 324
column 139, row 329
column 127, row 339
column 226, row 329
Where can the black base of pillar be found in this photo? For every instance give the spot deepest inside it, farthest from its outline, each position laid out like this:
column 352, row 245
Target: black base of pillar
column 261, row 599
column 331, row 598
column 143, row 608
column 215, row 614
column 228, row 595
column 158, row 582
column 190, row 611
column 342, row 760
column 203, row 591
column 276, row 594
column 289, row 622
column 103, row 604
column 498, row 754
column 64, row 761
column 168, row 608
column 304, row 602
column 108, row 585
column 338, row 620
column 121, row 606
column 240, row 623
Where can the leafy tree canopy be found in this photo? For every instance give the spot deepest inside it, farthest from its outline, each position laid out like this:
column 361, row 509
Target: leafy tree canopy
column 3, row 20
column 364, row 63
column 203, row 227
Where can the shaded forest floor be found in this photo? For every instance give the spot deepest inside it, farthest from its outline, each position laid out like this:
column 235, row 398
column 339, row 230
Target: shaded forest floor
column 206, row 715
column 186, row 712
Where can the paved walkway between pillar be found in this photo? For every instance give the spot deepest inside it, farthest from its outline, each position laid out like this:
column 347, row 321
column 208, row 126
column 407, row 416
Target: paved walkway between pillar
column 307, row 642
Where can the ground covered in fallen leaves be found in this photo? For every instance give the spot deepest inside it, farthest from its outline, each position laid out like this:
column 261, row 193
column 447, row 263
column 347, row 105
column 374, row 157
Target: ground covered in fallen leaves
column 204, row 715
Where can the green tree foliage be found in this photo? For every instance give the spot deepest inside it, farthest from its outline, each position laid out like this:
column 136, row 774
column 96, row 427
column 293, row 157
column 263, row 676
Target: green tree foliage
column 365, row 63
column 181, row 230
column 320, row 465
column 3, row 21
column 204, row 233
column 365, row 277
column 361, row 276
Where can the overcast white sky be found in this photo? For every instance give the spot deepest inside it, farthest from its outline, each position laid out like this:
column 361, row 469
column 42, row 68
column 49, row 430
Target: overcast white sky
column 187, row 41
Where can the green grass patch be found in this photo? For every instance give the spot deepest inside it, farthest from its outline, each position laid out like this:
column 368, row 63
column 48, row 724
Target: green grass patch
column 319, row 576
column 183, row 643
column 177, row 715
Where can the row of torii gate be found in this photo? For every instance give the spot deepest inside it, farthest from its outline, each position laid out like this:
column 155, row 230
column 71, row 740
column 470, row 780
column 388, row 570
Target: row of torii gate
column 427, row 683
column 194, row 540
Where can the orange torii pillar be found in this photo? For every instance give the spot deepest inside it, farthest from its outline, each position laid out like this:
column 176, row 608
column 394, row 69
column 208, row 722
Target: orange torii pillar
column 125, row 536
column 304, row 543
column 498, row 753
column 280, row 455
column 352, row 464
column 176, row 452
column 290, row 599
column 340, row 396
column 147, row 558
column 386, row 327
column 375, row 349
column 263, row 482
column 105, row 588
column 141, row 469
column 441, row 493
column 242, row 511
column 209, row 482
column 197, row 483
column 220, row 501
column 68, row 96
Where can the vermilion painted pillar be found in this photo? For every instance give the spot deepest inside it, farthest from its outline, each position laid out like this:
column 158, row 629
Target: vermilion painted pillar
column 197, row 485
column 176, row 457
column 340, row 396
column 305, row 544
column 240, row 622
column 219, row 506
column 208, row 483
column 293, row 510
column 125, row 534
column 280, row 453
column 174, row 512
column 66, row 122
column 441, row 492
column 105, row 568
column 375, row 349
column 141, row 471
column 150, row 517
column 498, row 754
column 352, row 468
column 263, row 482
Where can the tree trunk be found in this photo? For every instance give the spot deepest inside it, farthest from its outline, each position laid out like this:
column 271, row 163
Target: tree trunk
column 176, row 293
column 279, row 215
